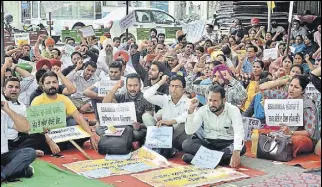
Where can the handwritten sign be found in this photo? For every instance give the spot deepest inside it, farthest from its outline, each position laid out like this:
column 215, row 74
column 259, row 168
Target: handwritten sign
column 206, row 158
column 286, row 111
column 48, row 116
column 22, row 38
column 189, row 176
column 127, row 21
column 93, row 168
column 249, row 125
column 115, row 114
column 67, row 133
column 87, row 31
column 51, row 6
column 105, row 85
column 159, row 137
column 270, row 53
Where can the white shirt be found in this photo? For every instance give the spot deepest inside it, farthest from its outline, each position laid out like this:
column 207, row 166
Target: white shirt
column 227, row 126
column 4, row 132
column 27, row 86
column 19, row 109
column 170, row 111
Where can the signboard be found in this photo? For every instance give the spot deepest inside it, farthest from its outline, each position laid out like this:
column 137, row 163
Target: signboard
column 87, row 31
column 127, row 21
column 67, row 133
column 159, row 137
column 115, row 114
column 249, row 125
column 270, row 53
column 48, row 116
column 286, row 111
column 194, row 30
column 206, row 158
column 105, row 85
column 22, row 38
column 170, row 32
column 51, row 6
column 74, row 34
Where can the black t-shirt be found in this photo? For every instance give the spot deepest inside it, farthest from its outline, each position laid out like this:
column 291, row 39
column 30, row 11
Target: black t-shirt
column 38, row 92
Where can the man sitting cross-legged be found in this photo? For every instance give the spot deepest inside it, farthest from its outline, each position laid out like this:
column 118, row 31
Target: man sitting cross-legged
column 223, row 128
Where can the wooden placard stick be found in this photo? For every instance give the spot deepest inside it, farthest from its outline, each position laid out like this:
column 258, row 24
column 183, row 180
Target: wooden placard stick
column 80, row 149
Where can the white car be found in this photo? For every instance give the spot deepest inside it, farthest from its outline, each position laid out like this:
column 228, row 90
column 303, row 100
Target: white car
column 146, row 18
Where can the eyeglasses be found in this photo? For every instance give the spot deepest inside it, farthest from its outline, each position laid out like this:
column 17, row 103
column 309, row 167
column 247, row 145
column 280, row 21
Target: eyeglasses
column 175, row 86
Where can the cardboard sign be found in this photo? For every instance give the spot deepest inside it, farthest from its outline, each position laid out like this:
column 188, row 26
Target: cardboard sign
column 206, row 158
column 285, row 111
column 48, row 116
column 87, row 31
column 249, row 125
column 21, row 39
column 105, row 86
column 127, row 21
column 51, row 6
column 270, row 53
column 67, row 133
column 115, row 114
column 159, row 137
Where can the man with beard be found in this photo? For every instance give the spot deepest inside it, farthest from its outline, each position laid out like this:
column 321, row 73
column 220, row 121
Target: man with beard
column 49, row 83
column 223, row 128
column 172, row 62
column 210, row 35
column 83, row 79
column 277, row 29
column 133, row 94
column 105, row 58
column 235, row 92
column 187, row 56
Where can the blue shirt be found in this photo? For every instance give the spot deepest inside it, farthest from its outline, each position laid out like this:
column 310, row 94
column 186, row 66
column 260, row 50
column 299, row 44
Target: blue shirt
column 202, row 99
column 248, row 66
column 298, row 47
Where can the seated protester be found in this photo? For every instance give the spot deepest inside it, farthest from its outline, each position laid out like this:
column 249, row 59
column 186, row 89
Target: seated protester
column 256, row 108
column 247, row 64
column 70, row 41
column 230, row 54
column 105, row 57
column 300, row 60
column 160, row 52
column 172, row 62
column 116, row 44
column 235, row 92
column 82, row 80
column 224, row 60
column 115, row 74
column 46, row 53
column 285, row 69
column 66, row 88
column 276, row 64
column 187, row 56
column 133, row 94
column 303, row 138
column 223, row 130
column 299, row 45
column 76, row 57
column 126, row 62
column 17, row 140
column 310, row 45
column 174, row 110
column 14, row 163
column 283, row 82
column 49, row 83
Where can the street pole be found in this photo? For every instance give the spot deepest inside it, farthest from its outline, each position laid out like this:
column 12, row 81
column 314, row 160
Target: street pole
column 290, row 18
column 127, row 30
column 2, row 34
column 49, row 23
column 269, row 25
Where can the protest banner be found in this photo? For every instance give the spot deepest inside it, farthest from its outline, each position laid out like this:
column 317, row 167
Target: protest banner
column 105, row 168
column 270, row 53
column 67, row 133
column 21, row 39
column 48, row 116
column 105, row 85
column 116, row 114
column 206, row 158
column 284, row 111
column 249, row 125
column 188, row 176
column 159, row 137
column 127, row 21
column 51, row 6
column 87, row 31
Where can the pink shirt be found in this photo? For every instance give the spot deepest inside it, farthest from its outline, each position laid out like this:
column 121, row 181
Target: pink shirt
column 188, row 59
column 317, row 37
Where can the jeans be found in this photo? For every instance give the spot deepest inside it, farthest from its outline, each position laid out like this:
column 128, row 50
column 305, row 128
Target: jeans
column 14, row 163
column 94, row 104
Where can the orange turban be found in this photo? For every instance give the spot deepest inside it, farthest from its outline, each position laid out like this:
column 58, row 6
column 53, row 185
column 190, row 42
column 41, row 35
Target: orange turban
column 49, row 41
column 121, row 54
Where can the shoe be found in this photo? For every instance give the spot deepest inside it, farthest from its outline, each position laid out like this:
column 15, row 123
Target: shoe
column 29, row 172
column 173, row 152
column 187, row 158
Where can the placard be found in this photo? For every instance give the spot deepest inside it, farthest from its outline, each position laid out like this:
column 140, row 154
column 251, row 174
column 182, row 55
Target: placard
column 21, row 39
column 285, row 111
column 105, row 85
column 48, row 116
column 206, row 158
column 87, row 31
column 115, row 114
column 127, row 21
column 118, row 132
column 270, row 53
column 249, row 125
column 159, row 137
column 67, row 133
column 51, row 6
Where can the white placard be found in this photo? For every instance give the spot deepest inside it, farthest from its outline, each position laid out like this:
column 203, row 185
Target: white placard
column 51, row 6
column 206, row 158
column 67, row 133
column 115, row 114
column 286, row 111
column 310, row 89
column 159, row 137
column 249, row 125
column 127, row 21
column 87, row 31
column 270, row 53
column 105, row 85
column 21, row 37
column 69, row 50
column 21, row 61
